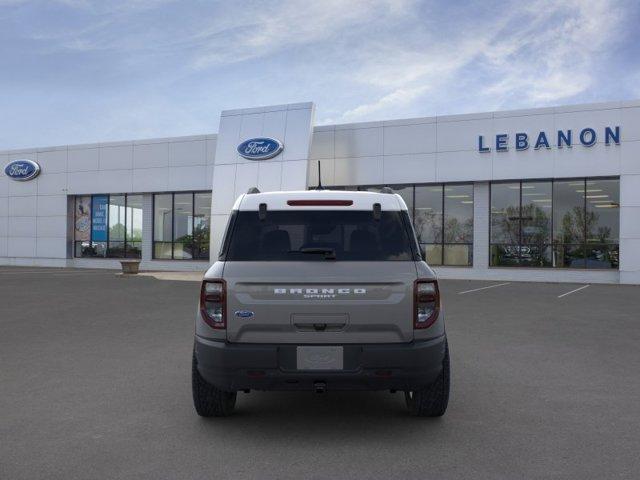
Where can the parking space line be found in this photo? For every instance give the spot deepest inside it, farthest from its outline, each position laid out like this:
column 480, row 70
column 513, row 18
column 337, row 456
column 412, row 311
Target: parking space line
column 484, row 288
column 573, row 291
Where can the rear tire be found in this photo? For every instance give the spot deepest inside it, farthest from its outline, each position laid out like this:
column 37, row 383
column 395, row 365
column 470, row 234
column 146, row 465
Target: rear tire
column 208, row 400
column 432, row 400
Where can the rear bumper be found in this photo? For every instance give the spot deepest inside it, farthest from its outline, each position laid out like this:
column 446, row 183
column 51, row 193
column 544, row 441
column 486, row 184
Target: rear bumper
column 404, row 366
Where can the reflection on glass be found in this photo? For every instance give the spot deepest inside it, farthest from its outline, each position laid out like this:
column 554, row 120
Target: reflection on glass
column 428, row 214
column 562, row 224
column 569, row 256
column 162, row 250
column 505, row 213
column 536, row 224
column 116, row 218
column 134, row 226
column 504, row 255
column 603, row 211
column 442, row 216
column 201, row 225
column 568, row 212
column 601, row 256
column 433, row 254
column 458, row 215
column 182, row 225
column 458, row 255
column 162, row 225
column 123, row 223
column 163, row 212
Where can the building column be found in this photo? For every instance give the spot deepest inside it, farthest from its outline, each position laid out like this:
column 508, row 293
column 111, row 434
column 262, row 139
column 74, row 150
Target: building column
column 233, row 175
column 147, row 227
column 630, row 229
column 481, row 226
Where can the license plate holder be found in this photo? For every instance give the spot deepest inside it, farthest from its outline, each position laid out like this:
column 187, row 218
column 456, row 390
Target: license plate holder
column 319, row 357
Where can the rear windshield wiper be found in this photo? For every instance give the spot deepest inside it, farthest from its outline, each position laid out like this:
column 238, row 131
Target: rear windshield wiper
column 329, row 253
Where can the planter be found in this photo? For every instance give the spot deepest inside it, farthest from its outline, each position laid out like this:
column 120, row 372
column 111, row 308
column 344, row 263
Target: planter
column 130, row 266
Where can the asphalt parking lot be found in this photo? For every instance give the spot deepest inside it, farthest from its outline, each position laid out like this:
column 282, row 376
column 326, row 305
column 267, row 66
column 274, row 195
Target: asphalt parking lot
column 95, row 383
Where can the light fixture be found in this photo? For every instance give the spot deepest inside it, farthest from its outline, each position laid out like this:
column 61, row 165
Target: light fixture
column 457, row 196
column 597, row 196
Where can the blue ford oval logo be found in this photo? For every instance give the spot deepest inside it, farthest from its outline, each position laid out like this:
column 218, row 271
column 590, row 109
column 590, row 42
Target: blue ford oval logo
column 260, row 148
column 22, row 170
column 244, row 313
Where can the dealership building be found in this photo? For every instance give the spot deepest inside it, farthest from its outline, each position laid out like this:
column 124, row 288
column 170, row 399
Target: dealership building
column 549, row 194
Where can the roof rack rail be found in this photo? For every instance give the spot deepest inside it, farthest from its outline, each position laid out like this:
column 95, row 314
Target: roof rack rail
column 253, row 190
column 386, row 190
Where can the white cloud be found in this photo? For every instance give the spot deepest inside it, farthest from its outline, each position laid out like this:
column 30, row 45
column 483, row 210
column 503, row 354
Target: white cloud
column 542, row 51
column 358, row 59
column 247, row 33
column 551, row 57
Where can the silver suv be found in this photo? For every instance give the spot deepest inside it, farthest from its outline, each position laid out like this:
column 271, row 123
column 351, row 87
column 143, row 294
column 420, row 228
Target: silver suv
column 320, row 290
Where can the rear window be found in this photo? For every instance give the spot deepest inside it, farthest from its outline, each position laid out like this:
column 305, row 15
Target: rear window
column 319, row 235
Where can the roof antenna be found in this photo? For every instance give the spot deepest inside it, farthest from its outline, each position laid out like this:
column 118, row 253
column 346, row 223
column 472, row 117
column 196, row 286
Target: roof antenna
column 319, row 187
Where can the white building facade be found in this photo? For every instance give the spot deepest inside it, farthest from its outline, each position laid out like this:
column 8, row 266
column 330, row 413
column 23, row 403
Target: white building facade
column 548, row 194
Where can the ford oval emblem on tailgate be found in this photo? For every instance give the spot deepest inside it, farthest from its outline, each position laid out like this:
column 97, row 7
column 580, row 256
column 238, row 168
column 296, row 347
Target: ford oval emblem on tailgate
column 244, row 313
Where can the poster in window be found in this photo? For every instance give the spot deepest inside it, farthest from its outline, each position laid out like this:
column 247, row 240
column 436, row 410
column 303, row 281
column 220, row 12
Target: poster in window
column 83, row 219
column 99, row 218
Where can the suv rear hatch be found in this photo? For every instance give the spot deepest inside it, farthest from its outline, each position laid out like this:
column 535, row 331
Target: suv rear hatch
column 319, row 276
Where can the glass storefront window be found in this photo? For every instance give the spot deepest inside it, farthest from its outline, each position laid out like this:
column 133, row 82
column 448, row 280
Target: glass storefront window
column 134, row 226
column 106, row 226
column 458, row 225
column 117, row 219
column 162, row 225
column 536, row 220
column 82, row 226
column 428, row 221
column 182, row 225
column 201, row 225
column 442, row 216
column 562, row 224
column 568, row 212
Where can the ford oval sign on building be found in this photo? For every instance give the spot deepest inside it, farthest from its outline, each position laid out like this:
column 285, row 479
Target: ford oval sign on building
column 22, row 170
column 260, row 148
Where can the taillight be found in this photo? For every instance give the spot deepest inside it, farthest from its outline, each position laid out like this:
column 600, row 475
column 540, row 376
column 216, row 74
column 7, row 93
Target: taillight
column 426, row 303
column 213, row 307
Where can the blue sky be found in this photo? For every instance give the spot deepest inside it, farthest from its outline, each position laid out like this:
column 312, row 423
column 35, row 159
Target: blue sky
column 79, row 71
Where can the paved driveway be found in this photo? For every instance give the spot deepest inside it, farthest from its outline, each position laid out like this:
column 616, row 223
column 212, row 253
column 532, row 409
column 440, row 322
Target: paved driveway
column 95, row 383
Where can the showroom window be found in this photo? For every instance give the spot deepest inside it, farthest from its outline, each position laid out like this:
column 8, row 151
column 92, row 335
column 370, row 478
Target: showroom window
column 442, row 216
column 108, row 226
column 181, row 225
column 562, row 224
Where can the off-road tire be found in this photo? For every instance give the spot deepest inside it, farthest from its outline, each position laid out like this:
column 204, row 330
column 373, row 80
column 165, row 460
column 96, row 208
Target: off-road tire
column 208, row 400
column 432, row 400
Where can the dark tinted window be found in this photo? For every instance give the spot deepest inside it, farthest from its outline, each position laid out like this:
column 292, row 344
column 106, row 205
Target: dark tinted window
column 351, row 235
